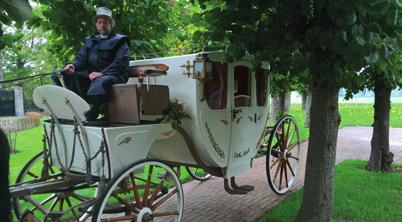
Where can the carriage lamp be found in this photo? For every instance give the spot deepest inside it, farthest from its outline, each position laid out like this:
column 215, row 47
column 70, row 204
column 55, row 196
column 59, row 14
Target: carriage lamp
column 202, row 68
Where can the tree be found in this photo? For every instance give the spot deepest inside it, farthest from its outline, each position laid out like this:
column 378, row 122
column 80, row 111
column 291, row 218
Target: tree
column 68, row 22
column 336, row 39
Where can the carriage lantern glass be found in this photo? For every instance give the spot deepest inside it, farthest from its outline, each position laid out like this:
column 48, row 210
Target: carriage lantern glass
column 202, row 67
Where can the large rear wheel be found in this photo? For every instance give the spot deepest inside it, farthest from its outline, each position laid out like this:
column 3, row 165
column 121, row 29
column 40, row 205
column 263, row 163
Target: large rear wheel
column 140, row 193
column 283, row 154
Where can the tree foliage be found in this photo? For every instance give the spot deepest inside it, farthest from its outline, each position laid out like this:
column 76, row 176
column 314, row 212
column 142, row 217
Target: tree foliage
column 68, row 22
column 335, row 40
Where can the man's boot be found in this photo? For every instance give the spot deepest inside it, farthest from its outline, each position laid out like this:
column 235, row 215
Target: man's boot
column 93, row 113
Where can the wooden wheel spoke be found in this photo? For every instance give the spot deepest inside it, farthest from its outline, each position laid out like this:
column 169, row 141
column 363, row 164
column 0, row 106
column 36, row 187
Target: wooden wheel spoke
column 286, row 173
column 135, row 190
column 275, row 162
column 147, row 186
column 45, row 201
column 280, row 142
column 123, row 201
column 290, row 168
column 277, row 170
column 54, row 204
column 61, row 204
column 120, row 218
column 291, row 147
column 165, row 213
column 280, row 176
column 72, row 209
column 32, row 175
column 163, row 199
column 156, row 191
column 287, row 134
column 290, row 140
column 293, row 157
column 80, row 197
column 144, row 180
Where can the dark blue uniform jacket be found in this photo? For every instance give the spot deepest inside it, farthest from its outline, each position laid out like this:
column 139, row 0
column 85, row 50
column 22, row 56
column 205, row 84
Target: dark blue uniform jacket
column 108, row 55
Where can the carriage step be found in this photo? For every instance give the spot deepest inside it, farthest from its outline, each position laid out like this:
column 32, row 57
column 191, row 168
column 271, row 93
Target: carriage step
column 233, row 188
column 247, row 188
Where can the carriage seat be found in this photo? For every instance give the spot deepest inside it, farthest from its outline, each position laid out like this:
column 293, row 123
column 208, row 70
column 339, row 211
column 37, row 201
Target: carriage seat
column 149, row 70
column 128, row 102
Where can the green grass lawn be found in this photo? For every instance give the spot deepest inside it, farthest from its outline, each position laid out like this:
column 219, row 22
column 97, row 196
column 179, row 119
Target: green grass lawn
column 359, row 195
column 29, row 143
column 351, row 115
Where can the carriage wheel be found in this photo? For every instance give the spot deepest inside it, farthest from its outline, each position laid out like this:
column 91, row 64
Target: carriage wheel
column 198, row 173
column 68, row 204
column 282, row 159
column 140, row 194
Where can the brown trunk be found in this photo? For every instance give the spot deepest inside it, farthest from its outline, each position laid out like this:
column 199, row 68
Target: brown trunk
column 307, row 110
column 280, row 105
column 381, row 158
column 324, row 121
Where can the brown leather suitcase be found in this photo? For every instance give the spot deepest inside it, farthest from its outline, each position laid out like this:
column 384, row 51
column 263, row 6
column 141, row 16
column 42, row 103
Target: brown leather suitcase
column 124, row 103
column 154, row 99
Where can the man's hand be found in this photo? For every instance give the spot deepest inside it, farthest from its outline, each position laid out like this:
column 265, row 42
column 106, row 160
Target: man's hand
column 94, row 75
column 69, row 69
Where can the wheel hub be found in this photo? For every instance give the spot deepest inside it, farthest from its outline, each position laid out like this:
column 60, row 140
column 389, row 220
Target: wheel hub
column 145, row 215
column 286, row 154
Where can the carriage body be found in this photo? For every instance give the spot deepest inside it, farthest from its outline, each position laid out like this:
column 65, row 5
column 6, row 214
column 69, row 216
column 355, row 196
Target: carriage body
column 224, row 136
column 225, row 132
column 228, row 105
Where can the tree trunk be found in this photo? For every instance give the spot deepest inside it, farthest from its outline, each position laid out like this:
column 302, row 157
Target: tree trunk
column 1, row 72
column 304, row 100
column 317, row 197
column 307, row 110
column 280, row 105
column 380, row 157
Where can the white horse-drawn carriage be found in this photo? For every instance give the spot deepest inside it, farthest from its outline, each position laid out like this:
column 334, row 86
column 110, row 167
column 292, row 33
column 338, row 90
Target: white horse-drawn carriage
column 203, row 113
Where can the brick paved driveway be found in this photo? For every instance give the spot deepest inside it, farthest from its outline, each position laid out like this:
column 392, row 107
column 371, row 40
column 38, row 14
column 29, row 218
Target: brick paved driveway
column 208, row 201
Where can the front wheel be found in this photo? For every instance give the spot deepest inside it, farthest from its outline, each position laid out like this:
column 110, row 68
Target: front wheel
column 139, row 193
column 59, row 203
column 283, row 156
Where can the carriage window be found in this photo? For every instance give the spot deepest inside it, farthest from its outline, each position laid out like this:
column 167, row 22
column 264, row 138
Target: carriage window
column 242, row 86
column 261, row 79
column 215, row 88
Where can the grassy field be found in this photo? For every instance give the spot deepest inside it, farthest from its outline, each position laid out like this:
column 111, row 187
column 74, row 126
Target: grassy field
column 359, row 195
column 351, row 115
column 29, row 143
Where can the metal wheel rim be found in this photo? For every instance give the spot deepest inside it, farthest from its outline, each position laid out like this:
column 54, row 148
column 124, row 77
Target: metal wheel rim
column 100, row 207
column 270, row 157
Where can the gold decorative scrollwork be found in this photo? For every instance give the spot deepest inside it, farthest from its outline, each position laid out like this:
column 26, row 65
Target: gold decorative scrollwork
column 215, row 145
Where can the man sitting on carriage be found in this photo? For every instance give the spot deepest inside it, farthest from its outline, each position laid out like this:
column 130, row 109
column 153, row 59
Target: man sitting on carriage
column 101, row 62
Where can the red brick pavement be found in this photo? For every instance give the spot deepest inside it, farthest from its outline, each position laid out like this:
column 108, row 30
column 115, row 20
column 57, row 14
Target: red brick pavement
column 208, row 201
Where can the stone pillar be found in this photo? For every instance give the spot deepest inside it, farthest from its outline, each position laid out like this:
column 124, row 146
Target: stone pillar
column 19, row 100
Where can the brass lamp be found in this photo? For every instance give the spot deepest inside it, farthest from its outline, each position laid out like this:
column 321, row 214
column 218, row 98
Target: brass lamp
column 202, row 68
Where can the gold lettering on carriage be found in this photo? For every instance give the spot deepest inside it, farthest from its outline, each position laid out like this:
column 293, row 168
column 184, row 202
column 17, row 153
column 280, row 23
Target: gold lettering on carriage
column 241, row 154
column 125, row 140
column 215, row 145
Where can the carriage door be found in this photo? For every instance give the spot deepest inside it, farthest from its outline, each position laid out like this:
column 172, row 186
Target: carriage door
column 243, row 118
